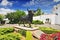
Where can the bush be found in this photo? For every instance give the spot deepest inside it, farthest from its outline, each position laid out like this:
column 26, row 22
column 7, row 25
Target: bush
column 28, row 35
column 22, row 32
column 48, row 30
column 37, row 22
column 11, row 36
column 6, row 30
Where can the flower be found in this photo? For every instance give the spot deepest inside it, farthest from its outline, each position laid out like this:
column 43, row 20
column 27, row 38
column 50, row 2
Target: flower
column 54, row 36
column 43, row 37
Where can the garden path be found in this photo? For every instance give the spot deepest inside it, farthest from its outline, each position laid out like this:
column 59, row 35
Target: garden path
column 37, row 33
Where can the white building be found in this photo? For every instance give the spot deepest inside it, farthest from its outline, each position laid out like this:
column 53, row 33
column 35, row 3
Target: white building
column 53, row 18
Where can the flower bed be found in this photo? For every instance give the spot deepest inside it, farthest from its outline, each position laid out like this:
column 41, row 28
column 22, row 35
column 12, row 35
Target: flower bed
column 6, row 30
column 10, row 36
column 54, row 36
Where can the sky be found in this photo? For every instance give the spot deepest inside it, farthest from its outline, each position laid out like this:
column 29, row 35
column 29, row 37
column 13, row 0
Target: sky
column 46, row 6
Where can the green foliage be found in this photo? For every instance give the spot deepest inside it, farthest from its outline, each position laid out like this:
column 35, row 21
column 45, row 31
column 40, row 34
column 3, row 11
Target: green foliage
column 28, row 35
column 1, row 17
column 10, row 36
column 7, row 34
column 48, row 30
column 6, row 30
column 38, row 12
column 37, row 22
column 14, row 17
column 22, row 32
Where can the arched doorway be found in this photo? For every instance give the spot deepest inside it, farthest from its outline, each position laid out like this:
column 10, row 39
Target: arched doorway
column 48, row 21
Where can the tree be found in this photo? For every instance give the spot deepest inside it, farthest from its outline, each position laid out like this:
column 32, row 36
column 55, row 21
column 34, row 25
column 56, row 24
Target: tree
column 15, row 16
column 1, row 18
column 38, row 12
column 42, row 13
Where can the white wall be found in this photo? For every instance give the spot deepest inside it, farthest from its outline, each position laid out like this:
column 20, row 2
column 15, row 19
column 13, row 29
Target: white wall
column 57, row 18
column 44, row 17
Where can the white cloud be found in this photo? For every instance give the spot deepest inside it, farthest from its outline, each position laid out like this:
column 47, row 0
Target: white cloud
column 32, row 2
column 56, row 0
column 29, row 3
column 5, row 11
column 47, row 3
column 38, row 3
column 5, row 3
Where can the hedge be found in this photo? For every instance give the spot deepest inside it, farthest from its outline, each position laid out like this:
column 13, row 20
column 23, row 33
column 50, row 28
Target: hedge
column 37, row 22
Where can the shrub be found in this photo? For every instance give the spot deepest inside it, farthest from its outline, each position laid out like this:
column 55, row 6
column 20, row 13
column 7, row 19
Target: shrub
column 48, row 30
column 11, row 36
column 28, row 35
column 6, row 30
column 22, row 32
column 37, row 22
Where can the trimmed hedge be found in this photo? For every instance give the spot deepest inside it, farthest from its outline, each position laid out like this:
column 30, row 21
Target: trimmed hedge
column 11, row 36
column 48, row 30
column 37, row 22
column 6, row 30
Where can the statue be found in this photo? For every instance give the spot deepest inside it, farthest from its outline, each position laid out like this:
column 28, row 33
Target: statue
column 28, row 18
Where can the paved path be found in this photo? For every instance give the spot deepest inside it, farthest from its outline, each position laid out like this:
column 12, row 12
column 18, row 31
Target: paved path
column 25, row 28
column 37, row 33
column 45, row 25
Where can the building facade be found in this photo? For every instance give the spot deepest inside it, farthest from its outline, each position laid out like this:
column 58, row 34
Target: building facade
column 53, row 18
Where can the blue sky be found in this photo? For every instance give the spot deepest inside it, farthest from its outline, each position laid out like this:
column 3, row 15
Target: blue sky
column 12, row 5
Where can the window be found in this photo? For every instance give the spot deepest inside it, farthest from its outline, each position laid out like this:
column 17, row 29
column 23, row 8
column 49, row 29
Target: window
column 56, row 13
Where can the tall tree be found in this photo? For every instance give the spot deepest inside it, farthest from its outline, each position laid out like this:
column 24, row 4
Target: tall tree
column 15, row 16
column 1, row 18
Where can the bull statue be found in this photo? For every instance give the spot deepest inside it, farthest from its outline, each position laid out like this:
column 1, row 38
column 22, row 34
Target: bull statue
column 28, row 18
